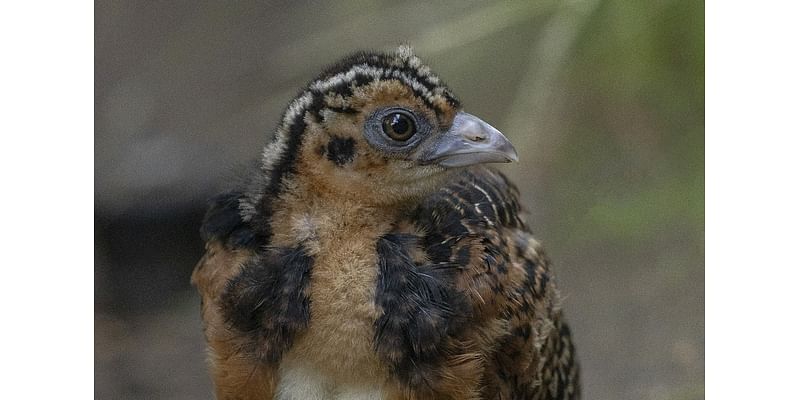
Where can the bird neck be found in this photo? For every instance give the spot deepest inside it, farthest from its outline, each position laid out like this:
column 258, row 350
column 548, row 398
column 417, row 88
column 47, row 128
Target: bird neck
column 305, row 215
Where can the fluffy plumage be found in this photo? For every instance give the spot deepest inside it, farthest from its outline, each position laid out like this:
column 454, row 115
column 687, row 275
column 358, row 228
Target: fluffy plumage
column 371, row 255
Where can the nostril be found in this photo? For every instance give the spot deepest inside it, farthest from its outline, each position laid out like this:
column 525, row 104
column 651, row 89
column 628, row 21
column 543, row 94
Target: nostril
column 476, row 137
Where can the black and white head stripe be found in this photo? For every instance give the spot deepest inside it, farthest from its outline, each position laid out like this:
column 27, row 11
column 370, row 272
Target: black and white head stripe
column 332, row 91
column 363, row 68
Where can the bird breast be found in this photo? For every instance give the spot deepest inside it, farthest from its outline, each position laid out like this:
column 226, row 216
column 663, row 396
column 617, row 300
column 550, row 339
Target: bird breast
column 334, row 357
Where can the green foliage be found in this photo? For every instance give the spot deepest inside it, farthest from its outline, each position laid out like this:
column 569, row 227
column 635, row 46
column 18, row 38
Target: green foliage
column 633, row 157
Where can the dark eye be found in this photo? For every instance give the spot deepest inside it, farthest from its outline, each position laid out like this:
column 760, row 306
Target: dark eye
column 399, row 126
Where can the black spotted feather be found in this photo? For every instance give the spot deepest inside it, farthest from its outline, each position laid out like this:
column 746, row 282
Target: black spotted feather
column 483, row 270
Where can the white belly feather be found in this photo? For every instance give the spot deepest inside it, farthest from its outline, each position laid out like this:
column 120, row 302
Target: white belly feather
column 303, row 382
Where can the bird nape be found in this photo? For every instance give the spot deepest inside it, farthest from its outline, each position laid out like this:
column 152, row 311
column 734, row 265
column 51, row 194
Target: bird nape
column 372, row 254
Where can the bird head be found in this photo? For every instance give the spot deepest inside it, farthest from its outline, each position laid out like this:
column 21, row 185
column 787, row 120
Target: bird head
column 381, row 128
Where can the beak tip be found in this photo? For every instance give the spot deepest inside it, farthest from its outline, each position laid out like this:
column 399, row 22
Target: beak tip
column 512, row 156
column 509, row 151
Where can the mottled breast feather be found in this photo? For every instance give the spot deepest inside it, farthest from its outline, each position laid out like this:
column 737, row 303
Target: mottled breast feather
column 469, row 306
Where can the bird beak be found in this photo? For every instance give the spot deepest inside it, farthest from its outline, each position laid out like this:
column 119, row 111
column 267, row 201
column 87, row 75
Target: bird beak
column 469, row 141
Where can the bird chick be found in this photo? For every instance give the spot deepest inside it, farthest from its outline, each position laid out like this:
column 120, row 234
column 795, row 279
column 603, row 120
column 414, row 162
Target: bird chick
column 372, row 255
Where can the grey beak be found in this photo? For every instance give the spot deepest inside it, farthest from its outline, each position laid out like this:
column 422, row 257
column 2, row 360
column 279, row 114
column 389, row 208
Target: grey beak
column 469, row 141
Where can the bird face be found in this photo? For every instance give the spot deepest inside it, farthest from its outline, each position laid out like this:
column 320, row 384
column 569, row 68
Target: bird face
column 380, row 127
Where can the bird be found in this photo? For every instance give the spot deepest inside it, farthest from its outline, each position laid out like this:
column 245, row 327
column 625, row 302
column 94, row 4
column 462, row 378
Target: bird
column 372, row 252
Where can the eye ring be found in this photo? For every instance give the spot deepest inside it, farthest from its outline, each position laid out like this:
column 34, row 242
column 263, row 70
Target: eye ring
column 399, row 126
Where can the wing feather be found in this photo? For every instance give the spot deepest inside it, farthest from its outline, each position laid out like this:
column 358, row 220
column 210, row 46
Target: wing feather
column 229, row 245
column 476, row 224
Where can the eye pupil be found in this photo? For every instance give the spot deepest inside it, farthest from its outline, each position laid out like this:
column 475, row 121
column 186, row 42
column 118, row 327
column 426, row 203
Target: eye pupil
column 398, row 126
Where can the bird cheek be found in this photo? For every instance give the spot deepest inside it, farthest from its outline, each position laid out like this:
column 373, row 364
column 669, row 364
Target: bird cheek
column 341, row 151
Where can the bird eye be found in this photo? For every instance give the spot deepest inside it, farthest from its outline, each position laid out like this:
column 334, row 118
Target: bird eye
column 399, row 126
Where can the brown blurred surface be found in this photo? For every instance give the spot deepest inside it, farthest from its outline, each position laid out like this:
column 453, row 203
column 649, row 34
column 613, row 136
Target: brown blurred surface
column 603, row 100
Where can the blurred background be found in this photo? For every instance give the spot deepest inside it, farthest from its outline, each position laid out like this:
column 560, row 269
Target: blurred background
column 604, row 99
